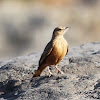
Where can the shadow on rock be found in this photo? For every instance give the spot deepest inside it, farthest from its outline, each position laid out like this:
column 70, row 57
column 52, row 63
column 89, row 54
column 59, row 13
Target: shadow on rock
column 97, row 85
column 9, row 89
column 38, row 81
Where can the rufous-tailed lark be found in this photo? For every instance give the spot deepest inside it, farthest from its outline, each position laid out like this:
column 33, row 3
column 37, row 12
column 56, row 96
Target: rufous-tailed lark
column 54, row 51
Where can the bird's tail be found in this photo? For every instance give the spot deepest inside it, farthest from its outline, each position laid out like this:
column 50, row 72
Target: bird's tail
column 39, row 70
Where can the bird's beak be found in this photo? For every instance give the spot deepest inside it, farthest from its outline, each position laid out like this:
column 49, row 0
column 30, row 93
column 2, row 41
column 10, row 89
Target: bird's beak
column 67, row 28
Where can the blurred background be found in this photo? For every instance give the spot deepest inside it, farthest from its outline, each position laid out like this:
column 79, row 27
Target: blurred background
column 26, row 26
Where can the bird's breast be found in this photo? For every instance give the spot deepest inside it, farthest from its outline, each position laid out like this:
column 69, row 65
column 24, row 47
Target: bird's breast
column 60, row 47
column 58, row 52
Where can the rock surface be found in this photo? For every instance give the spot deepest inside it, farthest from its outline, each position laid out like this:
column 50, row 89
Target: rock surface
column 80, row 81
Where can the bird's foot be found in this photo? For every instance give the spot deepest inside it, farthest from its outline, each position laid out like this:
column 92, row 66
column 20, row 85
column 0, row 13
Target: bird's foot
column 50, row 74
column 59, row 70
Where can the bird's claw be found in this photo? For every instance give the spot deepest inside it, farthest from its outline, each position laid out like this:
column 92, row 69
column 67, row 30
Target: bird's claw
column 62, row 72
column 50, row 74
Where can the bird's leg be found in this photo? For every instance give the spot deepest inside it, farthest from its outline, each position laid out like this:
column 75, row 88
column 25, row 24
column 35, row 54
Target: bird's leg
column 58, row 69
column 49, row 71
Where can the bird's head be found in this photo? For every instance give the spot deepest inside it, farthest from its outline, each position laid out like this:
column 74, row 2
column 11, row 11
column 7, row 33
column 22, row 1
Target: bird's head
column 60, row 30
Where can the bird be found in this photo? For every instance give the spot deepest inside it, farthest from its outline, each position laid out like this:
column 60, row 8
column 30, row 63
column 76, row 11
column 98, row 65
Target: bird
column 54, row 51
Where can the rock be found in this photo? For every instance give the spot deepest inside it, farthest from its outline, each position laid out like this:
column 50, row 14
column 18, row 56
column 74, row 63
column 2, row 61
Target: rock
column 81, row 79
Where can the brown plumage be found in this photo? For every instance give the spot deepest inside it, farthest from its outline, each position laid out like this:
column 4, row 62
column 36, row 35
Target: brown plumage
column 54, row 51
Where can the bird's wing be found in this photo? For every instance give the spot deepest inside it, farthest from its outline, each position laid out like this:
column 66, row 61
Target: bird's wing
column 46, row 52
